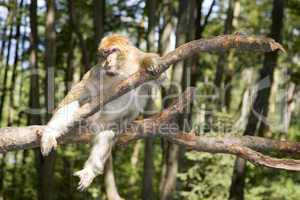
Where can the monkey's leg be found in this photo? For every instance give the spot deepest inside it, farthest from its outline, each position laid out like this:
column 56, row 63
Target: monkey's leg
column 94, row 166
column 57, row 126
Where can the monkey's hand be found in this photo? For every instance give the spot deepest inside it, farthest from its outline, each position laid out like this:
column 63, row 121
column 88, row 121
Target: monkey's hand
column 48, row 141
column 150, row 62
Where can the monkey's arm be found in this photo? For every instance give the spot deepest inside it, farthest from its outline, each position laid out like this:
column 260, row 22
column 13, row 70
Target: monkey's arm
column 77, row 93
column 63, row 115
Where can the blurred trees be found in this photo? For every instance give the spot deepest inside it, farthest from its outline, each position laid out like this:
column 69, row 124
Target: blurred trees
column 57, row 41
column 261, row 103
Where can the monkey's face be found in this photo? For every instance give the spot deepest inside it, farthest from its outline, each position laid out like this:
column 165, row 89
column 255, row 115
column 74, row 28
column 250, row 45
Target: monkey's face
column 114, row 54
column 111, row 60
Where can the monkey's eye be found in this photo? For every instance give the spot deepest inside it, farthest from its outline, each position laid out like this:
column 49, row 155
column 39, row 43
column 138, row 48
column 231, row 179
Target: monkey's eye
column 107, row 52
column 114, row 50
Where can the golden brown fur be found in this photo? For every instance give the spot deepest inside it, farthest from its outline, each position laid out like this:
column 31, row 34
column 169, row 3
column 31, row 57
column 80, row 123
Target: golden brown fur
column 114, row 40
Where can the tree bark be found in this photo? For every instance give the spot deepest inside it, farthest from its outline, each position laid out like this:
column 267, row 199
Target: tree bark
column 245, row 104
column 3, row 39
column 76, row 27
column 70, row 68
column 166, row 32
column 261, row 102
column 69, row 77
column 46, row 164
column 288, row 107
column 180, row 76
column 110, row 183
column 213, row 45
column 5, row 76
column 15, row 65
column 2, row 169
column 98, row 20
column 247, row 147
column 222, row 65
column 50, row 57
column 34, row 102
column 148, row 173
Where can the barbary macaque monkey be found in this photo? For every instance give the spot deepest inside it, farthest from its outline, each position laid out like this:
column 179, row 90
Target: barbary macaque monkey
column 118, row 60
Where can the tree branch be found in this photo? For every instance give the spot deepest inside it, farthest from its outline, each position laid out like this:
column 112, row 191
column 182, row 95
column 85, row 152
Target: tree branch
column 14, row 138
column 207, row 16
column 214, row 45
column 159, row 125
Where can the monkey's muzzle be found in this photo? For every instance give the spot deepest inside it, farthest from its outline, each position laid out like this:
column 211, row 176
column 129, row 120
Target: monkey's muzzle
column 111, row 71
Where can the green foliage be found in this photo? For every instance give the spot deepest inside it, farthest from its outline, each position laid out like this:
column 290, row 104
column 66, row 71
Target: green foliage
column 201, row 175
column 207, row 177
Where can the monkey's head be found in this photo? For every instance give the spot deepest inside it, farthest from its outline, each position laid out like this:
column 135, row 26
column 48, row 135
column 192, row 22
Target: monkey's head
column 113, row 50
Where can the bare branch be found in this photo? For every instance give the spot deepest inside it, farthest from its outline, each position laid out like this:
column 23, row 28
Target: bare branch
column 207, row 16
column 214, row 45
column 244, row 146
column 28, row 137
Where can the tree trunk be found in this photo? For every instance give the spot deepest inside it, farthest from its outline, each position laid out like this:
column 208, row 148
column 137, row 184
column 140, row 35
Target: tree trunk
column 147, row 191
column 134, row 160
column 148, row 173
column 5, row 76
column 21, row 116
column 261, row 102
column 99, row 16
column 169, row 180
column 76, row 27
column 11, row 93
column 98, row 21
column 15, row 65
column 46, row 164
column 50, row 57
column 222, row 65
column 180, row 75
column 288, row 106
column 3, row 37
column 70, row 69
column 34, row 102
column 2, row 169
column 167, row 30
column 109, row 179
column 245, row 106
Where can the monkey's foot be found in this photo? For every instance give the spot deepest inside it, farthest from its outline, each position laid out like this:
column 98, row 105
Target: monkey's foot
column 86, row 176
column 48, row 142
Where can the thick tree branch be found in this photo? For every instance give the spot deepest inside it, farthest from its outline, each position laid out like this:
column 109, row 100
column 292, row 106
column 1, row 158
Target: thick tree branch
column 159, row 125
column 214, row 45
